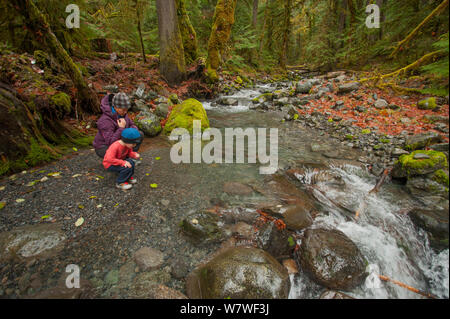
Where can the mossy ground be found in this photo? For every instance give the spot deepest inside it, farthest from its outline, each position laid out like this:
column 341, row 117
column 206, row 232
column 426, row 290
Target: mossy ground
column 412, row 166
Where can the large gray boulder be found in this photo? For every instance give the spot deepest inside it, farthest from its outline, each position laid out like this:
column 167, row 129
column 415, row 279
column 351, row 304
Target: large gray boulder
column 348, row 87
column 331, row 259
column 239, row 273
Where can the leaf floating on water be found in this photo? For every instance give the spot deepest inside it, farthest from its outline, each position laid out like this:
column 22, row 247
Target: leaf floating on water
column 80, row 206
column 20, row 200
column 154, row 185
column 79, row 222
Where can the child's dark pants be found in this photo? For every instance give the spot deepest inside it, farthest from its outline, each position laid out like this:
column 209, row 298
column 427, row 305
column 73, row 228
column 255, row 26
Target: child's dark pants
column 124, row 172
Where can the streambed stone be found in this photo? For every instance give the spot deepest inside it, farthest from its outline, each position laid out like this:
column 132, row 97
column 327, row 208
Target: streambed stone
column 239, row 273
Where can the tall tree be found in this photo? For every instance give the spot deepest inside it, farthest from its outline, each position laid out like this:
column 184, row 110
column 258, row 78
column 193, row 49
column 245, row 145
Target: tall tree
column 286, row 33
column 220, row 34
column 255, row 13
column 172, row 63
column 188, row 34
column 37, row 23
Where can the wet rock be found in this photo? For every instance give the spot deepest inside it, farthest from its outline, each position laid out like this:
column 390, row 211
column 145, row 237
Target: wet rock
column 235, row 188
column 112, row 277
column 361, row 109
column 180, row 268
column 283, row 101
column 424, row 186
column 331, row 259
column 36, row 241
column 204, row 227
column 440, row 147
column 86, row 291
column 331, row 294
column 421, row 141
column 297, row 217
column 162, row 110
column 435, row 223
column 381, row 104
column 164, row 292
column 319, row 147
column 229, row 101
column 144, row 284
column 348, row 87
column 332, row 75
column 398, row 152
column 291, row 266
column 148, row 258
column 303, row 88
column 421, row 156
column 148, row 123
column 223, row 276
column 184, row 115
column 277, row 242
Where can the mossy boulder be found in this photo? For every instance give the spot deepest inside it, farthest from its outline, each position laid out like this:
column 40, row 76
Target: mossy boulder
column 408, row 166
column 239, row 273
column 149, row 124
column 441, row 177
column 183, row 116
column 331, row 259
column 427, row 104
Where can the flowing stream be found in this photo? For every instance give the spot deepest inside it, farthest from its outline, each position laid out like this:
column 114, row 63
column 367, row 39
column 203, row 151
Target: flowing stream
column 389, row 241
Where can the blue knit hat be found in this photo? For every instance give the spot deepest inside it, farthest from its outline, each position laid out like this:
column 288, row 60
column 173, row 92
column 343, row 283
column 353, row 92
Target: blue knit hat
column 131, row 136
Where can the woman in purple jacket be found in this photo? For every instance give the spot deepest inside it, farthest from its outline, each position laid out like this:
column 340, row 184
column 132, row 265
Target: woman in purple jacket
column 113, row 121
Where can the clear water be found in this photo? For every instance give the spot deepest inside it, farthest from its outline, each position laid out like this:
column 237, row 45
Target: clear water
column 393, row 246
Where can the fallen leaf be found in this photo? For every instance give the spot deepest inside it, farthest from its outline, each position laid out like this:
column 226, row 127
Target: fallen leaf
column 43, row 179
column 116, row 205
column 79, row 222
column 45, row 217
column 100, row 176
column 147, row 174
column 92, row 197
column 30, row 184
column 54, row 174
column 76, row 175
column 154, row 185
column 20, row 200
column 2, row 188
column 75, row 149
column 99, row 206
column 157, row 158
column 195, row 221
column 80, row 206
column 2, row 204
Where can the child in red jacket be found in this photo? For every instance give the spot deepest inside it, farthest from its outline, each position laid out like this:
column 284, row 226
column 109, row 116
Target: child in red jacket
column 118, row 158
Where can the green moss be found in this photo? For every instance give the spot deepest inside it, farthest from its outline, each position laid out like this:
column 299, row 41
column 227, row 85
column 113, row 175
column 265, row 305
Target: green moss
column 291, row 241
column 238, row 80
column 412, row 166
column 184, row 114
column 385, row 141
column 62, row 101
column 349, row 137
column 82, row 69
column 441, row 177
column 427, row 104
column 377, row 147
column 366, row 131
column 38, row 154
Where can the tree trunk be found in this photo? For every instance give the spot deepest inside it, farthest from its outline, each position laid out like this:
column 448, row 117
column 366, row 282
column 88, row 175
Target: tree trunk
column 220, row 34
column 138, row 16
column 286, row 33
column 40, row 29
column 188, row 34
column 172, row 63
column 263, row 29
column 255, row 13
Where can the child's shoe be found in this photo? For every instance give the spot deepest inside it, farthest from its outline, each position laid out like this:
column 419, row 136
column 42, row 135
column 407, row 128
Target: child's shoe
column 124, row 186
column 132, row 180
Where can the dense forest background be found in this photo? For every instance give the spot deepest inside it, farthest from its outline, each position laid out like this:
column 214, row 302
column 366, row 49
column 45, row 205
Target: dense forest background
column 172, row 39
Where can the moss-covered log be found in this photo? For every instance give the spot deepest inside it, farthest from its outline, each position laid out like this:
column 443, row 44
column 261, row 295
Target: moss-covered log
column 188, row 34
column 172, row 64
column 37, row 23
column 220, row 34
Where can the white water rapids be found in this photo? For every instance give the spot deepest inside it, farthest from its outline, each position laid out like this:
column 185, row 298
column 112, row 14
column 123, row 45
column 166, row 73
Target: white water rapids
column 390, row 242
